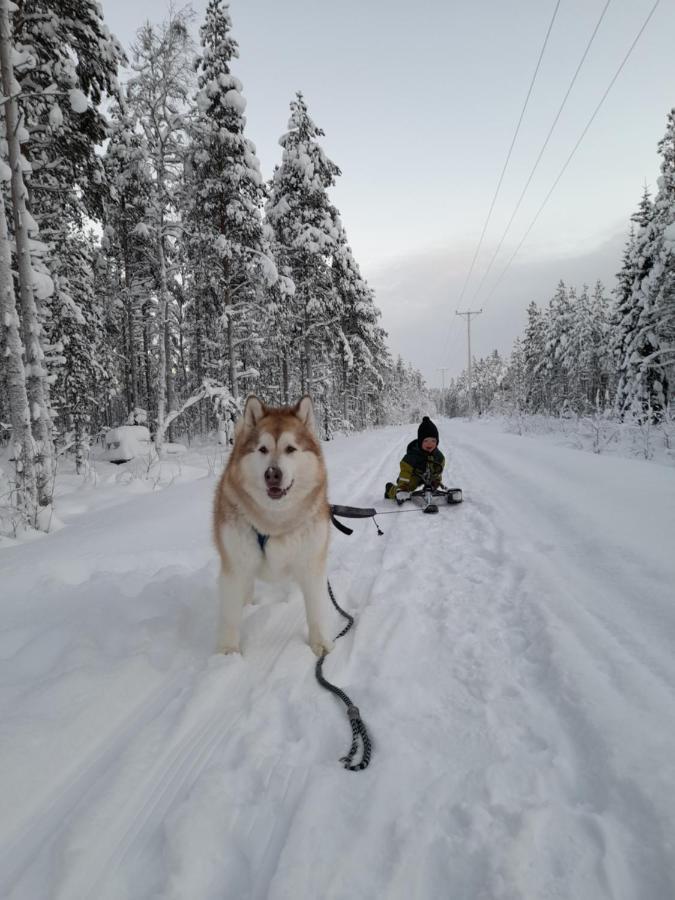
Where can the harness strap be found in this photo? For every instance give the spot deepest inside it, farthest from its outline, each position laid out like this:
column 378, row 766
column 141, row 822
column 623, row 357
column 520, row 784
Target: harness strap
column 352, row 512
column 340, row 527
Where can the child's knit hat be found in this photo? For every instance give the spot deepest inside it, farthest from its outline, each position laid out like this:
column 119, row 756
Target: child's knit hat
column 426, row 429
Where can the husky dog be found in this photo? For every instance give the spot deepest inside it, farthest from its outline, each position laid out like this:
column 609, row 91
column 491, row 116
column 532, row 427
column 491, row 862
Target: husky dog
column 271, row 516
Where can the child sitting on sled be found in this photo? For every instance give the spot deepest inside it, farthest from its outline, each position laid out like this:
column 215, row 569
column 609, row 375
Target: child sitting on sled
column 420, row 455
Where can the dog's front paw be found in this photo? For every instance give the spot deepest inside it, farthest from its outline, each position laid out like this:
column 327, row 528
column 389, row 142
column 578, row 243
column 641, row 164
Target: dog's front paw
column 227, row 647
column 320, row 646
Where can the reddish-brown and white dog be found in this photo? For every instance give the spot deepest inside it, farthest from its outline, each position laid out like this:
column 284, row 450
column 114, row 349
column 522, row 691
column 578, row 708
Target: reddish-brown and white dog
column 272, row 517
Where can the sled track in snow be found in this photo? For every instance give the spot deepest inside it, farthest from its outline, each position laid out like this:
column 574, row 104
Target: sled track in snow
column 172, row 778
column 34, row 833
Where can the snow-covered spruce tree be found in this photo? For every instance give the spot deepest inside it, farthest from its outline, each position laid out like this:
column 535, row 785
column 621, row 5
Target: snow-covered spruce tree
column 78, row 308
column 647, row 331
column 534, row 360
column 277, row 371
column 227, row 248
column 558, row 324
column 66, row 61
column 112, row 366
column 23, row 447
column 158, row 96
column 128, row 250
column 361, row 352
column 488, row 374
column 407, row 397
column 308, row 230
column 652, row 351
column 515, row 380
column 29, row 280
column 626, row 313
column 601, row 382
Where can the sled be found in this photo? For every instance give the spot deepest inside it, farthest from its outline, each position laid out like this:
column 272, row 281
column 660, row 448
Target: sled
column 429, row 496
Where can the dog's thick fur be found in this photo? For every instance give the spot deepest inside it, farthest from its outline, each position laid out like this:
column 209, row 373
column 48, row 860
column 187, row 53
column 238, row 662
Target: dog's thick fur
column 274, row 485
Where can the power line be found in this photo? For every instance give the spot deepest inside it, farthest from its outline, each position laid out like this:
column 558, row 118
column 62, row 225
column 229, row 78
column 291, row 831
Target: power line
column 574, row 150
column 508, row 155
column 541, row 152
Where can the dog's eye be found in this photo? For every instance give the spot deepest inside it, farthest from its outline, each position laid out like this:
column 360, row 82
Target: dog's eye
column 291, row 449
column 263, row 450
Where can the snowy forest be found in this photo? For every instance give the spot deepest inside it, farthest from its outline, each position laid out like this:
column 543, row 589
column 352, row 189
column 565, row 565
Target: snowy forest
column 593, row 350
column 151, row 276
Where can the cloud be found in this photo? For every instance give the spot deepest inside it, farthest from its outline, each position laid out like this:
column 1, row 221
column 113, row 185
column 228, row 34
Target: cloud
column 419, row 295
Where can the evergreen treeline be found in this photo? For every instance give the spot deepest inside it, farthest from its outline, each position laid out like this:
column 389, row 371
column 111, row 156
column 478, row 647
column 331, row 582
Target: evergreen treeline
column 200, row 284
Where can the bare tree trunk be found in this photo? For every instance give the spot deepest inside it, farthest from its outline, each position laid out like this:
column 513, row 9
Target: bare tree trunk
column 232, row 359
column 169, row 376
column 36, row 381
column 132, row 341
column 19, row 410
column 147, row 343
column 284, row 368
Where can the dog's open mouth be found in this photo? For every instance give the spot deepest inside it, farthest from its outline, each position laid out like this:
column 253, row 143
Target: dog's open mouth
column 276, row 493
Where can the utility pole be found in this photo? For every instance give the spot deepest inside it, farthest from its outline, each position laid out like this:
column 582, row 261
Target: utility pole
column 468, row 314
column 443, row 370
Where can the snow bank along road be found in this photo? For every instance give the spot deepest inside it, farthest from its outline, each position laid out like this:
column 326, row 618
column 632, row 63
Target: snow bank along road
column 512, row 657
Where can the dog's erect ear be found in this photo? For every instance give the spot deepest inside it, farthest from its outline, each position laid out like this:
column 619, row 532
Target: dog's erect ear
column 253, row 412
column 304, row 410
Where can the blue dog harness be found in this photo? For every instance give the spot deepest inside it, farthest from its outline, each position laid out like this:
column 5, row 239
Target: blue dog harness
column 262, row 540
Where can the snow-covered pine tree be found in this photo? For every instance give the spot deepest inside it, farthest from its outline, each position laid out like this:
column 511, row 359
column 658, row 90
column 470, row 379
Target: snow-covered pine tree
column 307, row 227
column 158, row 98
column 227, row 247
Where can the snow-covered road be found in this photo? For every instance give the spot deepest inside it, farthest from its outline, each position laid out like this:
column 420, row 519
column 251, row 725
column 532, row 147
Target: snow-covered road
column 513, row 657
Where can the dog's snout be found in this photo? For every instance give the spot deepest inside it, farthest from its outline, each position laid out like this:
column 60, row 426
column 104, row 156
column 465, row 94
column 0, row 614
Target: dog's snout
column 273, row 476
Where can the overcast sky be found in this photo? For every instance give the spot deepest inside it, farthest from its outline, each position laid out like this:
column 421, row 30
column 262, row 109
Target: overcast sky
column 419, row 103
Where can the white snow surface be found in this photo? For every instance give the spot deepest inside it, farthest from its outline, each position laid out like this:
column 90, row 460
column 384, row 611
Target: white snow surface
column 513, row 658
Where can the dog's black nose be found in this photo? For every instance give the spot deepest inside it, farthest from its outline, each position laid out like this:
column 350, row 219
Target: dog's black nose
column 273, row 476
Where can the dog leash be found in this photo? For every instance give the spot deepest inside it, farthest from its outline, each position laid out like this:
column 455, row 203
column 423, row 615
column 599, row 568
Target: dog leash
column 359, row 730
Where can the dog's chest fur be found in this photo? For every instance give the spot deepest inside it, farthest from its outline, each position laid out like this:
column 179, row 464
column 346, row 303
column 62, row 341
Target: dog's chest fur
column 282, row 556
